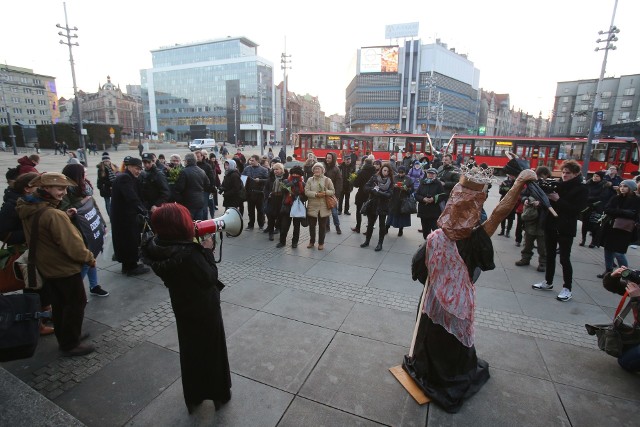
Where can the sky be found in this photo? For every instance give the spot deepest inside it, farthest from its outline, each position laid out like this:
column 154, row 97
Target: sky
column 521, row 48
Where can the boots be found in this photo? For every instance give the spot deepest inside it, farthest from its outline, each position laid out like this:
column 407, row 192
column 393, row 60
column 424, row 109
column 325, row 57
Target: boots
column 501, row 233
column 581, row 243
column 366, row 243
column 379, row 246
column 338, row 229
column 356, row 229
column 507, row 234
column 400, row 233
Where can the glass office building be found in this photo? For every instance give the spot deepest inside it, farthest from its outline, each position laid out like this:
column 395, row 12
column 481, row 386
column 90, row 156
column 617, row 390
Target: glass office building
column 209, row 90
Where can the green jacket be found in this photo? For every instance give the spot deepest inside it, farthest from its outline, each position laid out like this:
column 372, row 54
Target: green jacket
column 61, row 251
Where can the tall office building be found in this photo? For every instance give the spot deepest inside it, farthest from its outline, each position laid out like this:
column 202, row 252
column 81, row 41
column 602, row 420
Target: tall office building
column 30, row 98
column 573, row 106
column 209, row 89
column 413, row 88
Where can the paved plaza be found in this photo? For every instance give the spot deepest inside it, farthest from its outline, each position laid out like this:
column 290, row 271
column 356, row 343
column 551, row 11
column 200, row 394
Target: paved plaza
column 311, row 335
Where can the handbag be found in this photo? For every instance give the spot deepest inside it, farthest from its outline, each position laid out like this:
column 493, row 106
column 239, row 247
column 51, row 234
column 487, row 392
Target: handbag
column 366, row 206
column 24, row 267
column 408, row 206
column 297, row 209
column 8, row 256
column 617, row 337
column 331, row 201
column 19, row 325
column 624, row 224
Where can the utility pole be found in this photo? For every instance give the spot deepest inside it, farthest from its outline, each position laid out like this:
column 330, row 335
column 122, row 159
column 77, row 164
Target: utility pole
column 284, row 65
column 6, row 107
column 261, row 93
column 70, row 36
column 596, row 116
column 235, row 121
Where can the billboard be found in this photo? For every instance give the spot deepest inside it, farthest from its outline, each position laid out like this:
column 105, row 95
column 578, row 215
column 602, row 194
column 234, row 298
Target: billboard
column 396, row 31
column 379, row 59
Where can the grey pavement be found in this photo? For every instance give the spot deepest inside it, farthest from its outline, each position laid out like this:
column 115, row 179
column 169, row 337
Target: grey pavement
column 311, row 335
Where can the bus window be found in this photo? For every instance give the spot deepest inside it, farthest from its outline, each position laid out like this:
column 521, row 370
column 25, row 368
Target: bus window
column 565, row 151
column 333, row 142
column 576, row 151
column 599, row 153
column 305, row 141
column 318, row 142
column 613, row 155
column 623, row 155
column 380, row 143
column 484, row 147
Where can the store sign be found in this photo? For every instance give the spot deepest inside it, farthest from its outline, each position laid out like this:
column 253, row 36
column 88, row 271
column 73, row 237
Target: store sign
column 504, row 143
column 396, row 31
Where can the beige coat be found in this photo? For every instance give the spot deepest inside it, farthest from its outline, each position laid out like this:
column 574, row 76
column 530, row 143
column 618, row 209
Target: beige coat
column 317, row 205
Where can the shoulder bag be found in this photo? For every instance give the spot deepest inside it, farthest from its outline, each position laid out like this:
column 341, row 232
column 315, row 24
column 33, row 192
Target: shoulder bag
column 331, row 201
column 8, row 256
column 617, row 337
column 25, row 266
column 624, row 224
column 408, row 205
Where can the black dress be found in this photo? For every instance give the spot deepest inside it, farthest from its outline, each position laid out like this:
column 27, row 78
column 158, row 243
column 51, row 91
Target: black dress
column 189, row 271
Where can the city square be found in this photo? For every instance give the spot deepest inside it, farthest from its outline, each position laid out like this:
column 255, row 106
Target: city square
column 311, row 337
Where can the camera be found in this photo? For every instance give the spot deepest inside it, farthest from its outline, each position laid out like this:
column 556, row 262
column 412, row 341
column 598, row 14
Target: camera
column 549, row 185
column 631, row 275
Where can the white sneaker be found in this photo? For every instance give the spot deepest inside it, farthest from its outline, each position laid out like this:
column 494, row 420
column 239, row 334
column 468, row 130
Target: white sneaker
column 564, row 295
column 542, row 286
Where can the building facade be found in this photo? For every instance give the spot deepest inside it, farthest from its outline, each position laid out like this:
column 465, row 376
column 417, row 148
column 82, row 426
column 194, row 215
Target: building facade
column 111, row 106
column 498, row 118
column 209, row 89
column 31, row 99
column 413, row 88
column 574, row 100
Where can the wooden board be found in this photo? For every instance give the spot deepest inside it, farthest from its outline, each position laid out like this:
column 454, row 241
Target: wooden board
column 409, row 384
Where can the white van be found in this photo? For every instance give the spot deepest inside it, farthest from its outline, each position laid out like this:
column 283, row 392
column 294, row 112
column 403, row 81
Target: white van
column 199, row 144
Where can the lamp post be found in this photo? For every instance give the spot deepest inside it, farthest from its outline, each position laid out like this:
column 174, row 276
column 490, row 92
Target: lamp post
column 284, row 65
column 6, row 107
column 235, row 121
column 596, row 116
column 260, row 93
column 70, row 36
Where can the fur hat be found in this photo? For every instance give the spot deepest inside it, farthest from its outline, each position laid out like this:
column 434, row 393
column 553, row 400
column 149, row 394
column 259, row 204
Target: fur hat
column 296, row 170
column 630, row 183
column 51, row 178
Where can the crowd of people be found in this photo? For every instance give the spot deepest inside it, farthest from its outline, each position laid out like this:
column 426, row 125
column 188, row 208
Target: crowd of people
column 279, row 193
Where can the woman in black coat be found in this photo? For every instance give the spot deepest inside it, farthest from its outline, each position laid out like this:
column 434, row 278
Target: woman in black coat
column 625, row 206
column 380, row 188
column 427, row 195
column 273, row 195
column 232, row 187
column 402, row 190
column 599, row 195
column 364, row 174
column 189, row 271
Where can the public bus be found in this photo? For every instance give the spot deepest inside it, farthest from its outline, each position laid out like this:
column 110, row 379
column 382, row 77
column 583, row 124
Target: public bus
column 381, row 145
column 550, row 152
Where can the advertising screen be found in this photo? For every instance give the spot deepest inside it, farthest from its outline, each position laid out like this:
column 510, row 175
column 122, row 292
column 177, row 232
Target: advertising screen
column 379, row 59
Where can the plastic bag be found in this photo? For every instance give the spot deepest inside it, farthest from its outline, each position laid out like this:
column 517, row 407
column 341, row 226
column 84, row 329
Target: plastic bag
column 297, row 209
column 107, row 248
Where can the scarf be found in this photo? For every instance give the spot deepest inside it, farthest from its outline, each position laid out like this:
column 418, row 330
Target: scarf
column 383, row 183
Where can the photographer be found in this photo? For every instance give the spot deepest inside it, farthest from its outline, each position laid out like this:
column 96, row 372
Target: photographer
column 615, row 282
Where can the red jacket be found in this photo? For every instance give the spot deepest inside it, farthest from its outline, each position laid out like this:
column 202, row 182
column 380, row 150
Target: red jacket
column 25, row 165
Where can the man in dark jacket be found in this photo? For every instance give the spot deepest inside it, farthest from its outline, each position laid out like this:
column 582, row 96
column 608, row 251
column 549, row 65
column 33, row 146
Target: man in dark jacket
column 448, row 174
column 257, row 176
column 569, row 199
column 201, row 161
column 155, row 189
column 126, row 204
column 332, row 171
column 364, row 174
column 346, row 168
column 429, row 194
column 190, row 185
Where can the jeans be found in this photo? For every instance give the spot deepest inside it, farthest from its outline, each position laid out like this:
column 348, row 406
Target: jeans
column 381, row 223
column 93, row 275
column 630, row 359
column 205, row 209
column 334, row 214
column 553, row 240
column 107, row 205
column 608, row 260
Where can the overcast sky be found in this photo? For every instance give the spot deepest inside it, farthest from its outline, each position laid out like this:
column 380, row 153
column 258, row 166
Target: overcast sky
column 521, row 48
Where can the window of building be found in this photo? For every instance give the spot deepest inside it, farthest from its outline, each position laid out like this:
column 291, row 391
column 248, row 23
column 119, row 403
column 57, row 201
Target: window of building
column 43, row 112
column 563, row 109
column 606, row 94
column 29, row 101
column 565, row 99
column 627, row 103
column 562, row 119
column 15, row 100
column 561, row 129
column 17, row 110
column 33, row 122
column 580, row 129
column 31, row 111
column 624, row 115
column 3, row 120
column 604, row 105
column 42, row 102
column 586, row 97
column 37, row 81
column 27, row 90
column 584, row 108
column 3, row 110
column 582, row 118
column 630, row 91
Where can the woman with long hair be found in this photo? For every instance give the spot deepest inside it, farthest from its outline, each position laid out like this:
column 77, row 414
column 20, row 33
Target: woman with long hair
column 106, row 175
column 232, row 187
column 189, row 271
column 294, row 188
column 380, row 188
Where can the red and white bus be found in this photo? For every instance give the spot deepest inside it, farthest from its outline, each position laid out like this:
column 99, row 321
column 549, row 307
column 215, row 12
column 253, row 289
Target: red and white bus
column 550, row 152
column 381, row 145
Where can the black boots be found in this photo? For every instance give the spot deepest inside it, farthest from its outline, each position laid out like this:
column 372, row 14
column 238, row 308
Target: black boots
column 581, row 243
column 366, row 243
column 501, row 233
column 400, row 233
column 379, row 247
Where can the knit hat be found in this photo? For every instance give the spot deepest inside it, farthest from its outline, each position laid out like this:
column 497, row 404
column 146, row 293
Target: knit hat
column 296, row 170
column 601, row 174
column 630, row 183
column 105, row 156
column 402, row 169
column 318, row 165
column 432, row 170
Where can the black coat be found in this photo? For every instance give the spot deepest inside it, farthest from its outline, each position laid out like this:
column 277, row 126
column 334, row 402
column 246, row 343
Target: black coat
column 573, row 199
column 9, row 220
column 432, row 189
column 399, row 194
column 155, row 188
column 619, row 206
column 381, row 198
column 346, row 171
column 364, row 175
column 208, row 171
column 273, row 199
column 190, row 273
column 126, row 204
column 599, row 195
column 191, row 183
column 231, row 187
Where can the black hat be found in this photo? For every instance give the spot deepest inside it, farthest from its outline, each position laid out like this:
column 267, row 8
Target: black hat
column 132, row 161
column 296, row 170
column 601, row 174
column 148, row 157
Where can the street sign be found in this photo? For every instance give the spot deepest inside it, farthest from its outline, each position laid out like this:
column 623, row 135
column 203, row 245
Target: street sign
column 595, row 141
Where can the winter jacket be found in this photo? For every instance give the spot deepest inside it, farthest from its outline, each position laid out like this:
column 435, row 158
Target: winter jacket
column 335, row 175
column 273, row 196
column 190, row 185
column 318, row 205
column 25, row 165
column 208, row 170
column 431, row 189
column 61, row 251
column 573, row 199
column 380, row 198
column 255, row 188
column 231, row 188
column 346, row 170
column 364, row 175
column 416, row 176
column 155, row 188
column 449, row 176
column 399, row 194
column 106, row 176
column 628, row 207
column 9, row 220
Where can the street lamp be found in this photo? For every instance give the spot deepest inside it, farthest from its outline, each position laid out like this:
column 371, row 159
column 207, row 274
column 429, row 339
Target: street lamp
column 70, row 36
column 6, row 107
column 596, row 117
column 235, row 121
column 261, row 94
column 285, row 60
